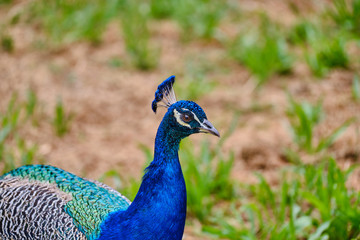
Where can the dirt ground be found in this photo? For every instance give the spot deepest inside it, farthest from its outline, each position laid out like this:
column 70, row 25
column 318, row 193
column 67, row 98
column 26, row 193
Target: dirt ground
column 112, row 113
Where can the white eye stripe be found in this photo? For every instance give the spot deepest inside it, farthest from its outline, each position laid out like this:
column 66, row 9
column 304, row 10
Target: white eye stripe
column 196, row 118
column 181, row 122
column 178, row 119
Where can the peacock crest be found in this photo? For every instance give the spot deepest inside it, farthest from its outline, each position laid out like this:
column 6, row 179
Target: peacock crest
column 165, row 94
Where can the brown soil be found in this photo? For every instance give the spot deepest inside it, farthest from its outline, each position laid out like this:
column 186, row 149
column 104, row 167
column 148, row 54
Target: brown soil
column 112, row 113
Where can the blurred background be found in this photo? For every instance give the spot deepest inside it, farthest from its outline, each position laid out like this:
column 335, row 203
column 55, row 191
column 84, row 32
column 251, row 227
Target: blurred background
column 278, row 79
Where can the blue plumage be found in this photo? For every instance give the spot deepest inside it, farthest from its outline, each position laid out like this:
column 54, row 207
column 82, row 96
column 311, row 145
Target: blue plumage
column 159, row 208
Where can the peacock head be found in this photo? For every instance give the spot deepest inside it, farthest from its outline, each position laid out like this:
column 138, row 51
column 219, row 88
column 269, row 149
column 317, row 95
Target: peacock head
column 184, row 117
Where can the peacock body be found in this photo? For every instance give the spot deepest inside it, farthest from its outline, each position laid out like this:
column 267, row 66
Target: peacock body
column 45, row 202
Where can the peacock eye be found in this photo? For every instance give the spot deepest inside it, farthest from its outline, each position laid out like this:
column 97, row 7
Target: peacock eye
column 187, row 117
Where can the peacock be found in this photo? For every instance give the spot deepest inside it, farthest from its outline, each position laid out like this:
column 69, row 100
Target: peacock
column 45, row 202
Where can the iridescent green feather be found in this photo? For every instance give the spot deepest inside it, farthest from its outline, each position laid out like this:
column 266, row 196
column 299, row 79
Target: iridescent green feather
column 91, row 201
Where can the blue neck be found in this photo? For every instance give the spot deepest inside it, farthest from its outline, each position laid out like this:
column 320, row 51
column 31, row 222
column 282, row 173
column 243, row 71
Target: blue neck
column 159, row 208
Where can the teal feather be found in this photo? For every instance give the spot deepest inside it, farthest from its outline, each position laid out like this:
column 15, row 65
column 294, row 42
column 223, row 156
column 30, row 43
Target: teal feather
column 91, row 201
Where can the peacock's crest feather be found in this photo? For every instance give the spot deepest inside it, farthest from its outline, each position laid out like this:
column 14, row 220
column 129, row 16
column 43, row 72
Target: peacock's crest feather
column 165, row 94
column 90, row 203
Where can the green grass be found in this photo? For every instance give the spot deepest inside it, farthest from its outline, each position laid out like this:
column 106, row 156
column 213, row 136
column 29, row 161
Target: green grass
column 31, row 103
column 311, row 202
column 303, row 32
column 7, row 43
column 161, row 9
column 356, row 88
column 62, row 120
column 15, row 150
column 327, row 52
column 196, row 18
column 199, row 18
column 304, row 117
column 19, row 117
column 346, row 14
column 323, row 46
column 136, row 33
column 67, row 21
column 5, row 2
column 263, row 50
column 208, row 179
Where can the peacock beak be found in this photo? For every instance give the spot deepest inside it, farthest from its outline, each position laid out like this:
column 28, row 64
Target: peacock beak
column 207, row 127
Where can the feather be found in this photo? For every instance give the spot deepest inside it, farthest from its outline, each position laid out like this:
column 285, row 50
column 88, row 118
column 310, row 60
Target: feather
column 165, row 94
column 85, row 202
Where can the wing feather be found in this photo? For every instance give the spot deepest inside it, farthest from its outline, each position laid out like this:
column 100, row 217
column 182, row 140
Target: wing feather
column 87, row 202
